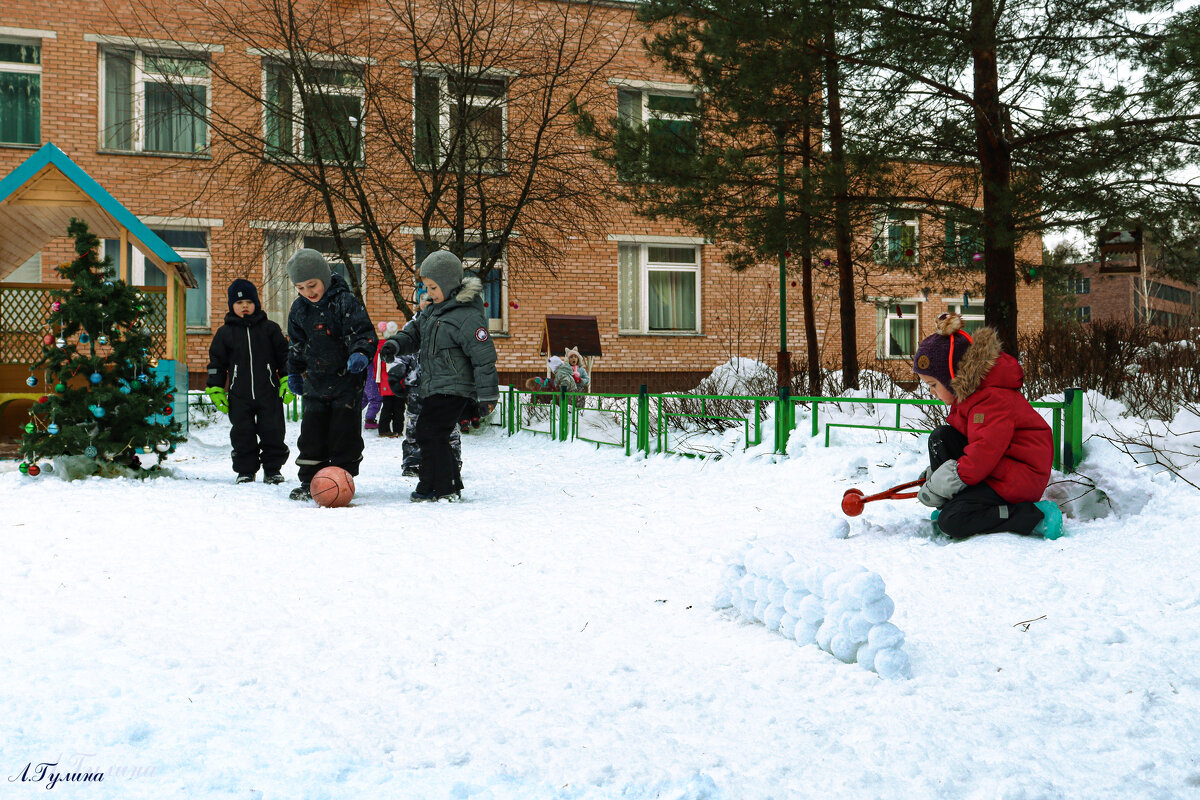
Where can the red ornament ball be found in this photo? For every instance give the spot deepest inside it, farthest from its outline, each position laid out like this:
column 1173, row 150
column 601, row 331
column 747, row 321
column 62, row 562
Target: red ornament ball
column 514, row 304
column 908, row 253
column 332, row 487
column 793, row 284
column 48, row 340
column 43, row 399
column 34, row 470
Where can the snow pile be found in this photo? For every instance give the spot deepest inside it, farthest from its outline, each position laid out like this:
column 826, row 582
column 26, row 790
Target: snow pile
column 737, row 376
column 844, row 611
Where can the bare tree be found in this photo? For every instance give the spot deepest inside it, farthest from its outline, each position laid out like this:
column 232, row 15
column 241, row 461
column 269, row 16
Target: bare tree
column 404, row 126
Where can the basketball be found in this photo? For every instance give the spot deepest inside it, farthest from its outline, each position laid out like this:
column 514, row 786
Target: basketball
column 332, row 487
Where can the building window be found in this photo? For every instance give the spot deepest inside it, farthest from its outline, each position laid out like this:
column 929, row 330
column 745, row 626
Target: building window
column 20, row 92
column 972, row 315
column 897, row 328
column 154, row 102
column 495, row 282
column 1171, row 294
column 329, row 97
column 1166, row 319
column 1081, row 313
column 896, row 237
column 659, row 288
column 963, row 240
column 1079, row 285
column 192, row 247
column 669, row 120
column 278, row 291
column 460, row 119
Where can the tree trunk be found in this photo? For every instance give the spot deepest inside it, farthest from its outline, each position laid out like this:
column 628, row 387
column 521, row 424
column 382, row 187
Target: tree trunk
column 995, row 166
column 841, row 206
column 806, row 265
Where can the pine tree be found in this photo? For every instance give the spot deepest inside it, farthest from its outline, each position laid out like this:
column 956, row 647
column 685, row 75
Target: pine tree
column 101, row 404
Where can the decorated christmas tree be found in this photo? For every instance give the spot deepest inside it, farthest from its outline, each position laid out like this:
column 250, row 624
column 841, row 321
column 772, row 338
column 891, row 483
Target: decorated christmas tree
column 103, row 407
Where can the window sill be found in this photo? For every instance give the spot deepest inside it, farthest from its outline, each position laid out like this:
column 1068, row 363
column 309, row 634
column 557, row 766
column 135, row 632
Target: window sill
column 19, row 145
column 195, row 330
column 154, row 154
column 662, row 334
column 273, row 159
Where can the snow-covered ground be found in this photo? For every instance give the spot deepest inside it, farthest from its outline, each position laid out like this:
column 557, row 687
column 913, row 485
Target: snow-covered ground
column 555, row 636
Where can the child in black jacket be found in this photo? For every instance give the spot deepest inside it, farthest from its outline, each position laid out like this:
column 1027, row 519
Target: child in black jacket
column 332, row 342
column 249, row 352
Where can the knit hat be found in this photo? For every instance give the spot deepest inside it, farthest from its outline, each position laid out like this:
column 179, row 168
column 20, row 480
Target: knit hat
column 572, row 351
column 443, row 268
column 939, row 353
column 242, row 289
column 391, row 329
column 307, row 264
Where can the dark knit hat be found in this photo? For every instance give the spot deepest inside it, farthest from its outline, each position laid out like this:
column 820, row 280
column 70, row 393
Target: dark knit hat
column 242, row 289
column 306, row 264
column 443, row 268
column 939, row 353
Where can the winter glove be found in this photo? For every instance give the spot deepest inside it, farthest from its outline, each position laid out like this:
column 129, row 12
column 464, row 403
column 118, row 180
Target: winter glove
column 927, row 497
column 285, row 392
column 218, row 397
column 483, row 409
column 295, row 383
column 945, row 481
column 389, row 351
column 357, row 363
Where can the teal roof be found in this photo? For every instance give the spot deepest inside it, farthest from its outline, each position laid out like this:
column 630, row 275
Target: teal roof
column 51, row 155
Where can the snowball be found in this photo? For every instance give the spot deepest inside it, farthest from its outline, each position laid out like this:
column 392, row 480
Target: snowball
column 814, row 579
column 787, row 626
column 880, row 611
column 776, row 589
column 747, row 585
column 761, row 585
column 840, row 529
column 793, row 576
column 812, row 610
column 735, row 598
column 856, row 626
column 805, row 633
column 893, row 664
column 732, row 573
column 752, row 560
column 834, row 580
column 791, row 601
column 843, row 648
column 724, row 599
column 865, row 588
column 747, row 608
column 866, row 656
column 760, row 608
column 825, row 634
column 771, row 616
column 775, row 563
column 885, row 635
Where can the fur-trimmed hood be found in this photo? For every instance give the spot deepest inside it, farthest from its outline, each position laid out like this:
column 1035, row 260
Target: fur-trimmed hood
column 471, row 288
column 982, row 363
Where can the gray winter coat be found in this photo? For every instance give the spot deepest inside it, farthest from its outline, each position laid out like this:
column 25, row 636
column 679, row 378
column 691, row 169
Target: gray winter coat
column 457, row 353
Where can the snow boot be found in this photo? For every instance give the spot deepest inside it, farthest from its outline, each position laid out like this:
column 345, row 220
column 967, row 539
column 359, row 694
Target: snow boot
column 245, row 479
column 273, row 478
column 301, row 492
column 411, row 472
column 1051, row 526
column 933, row 518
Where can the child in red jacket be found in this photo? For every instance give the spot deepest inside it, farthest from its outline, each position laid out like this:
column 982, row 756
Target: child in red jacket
column 989, row 466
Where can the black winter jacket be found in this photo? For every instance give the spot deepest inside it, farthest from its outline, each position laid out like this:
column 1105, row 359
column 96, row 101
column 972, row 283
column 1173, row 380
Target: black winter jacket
column 251, row 353
column 323, row 335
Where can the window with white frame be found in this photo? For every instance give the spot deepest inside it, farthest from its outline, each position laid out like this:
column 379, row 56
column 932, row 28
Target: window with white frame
column 972, row 314
column 897, row 237
column 154, row 102
column 1081, row 313
column 669, row 119
column 1079, row 285
column 896, row 329
column 659, row 288
column 192, row 246
column 313, row 113
column 460, row 119
column 278, row 291
column 964, row 242
column 20, row 92
column 495, row 282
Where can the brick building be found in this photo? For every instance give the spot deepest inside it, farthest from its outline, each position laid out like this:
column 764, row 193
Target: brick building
column 667, row 307
column 1131, row 297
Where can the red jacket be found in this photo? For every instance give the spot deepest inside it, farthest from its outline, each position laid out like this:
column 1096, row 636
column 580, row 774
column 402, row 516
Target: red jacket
column 379, row 372
column 1009, row 445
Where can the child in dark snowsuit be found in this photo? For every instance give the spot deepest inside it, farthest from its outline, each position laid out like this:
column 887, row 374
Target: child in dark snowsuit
column 333, row 341
column 249, row 352
column 458, row 365
column 406, row 374
column 989, row 466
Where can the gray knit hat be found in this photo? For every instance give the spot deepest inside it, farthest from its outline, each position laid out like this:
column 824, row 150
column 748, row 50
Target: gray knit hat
column 307, row 264
column 443, row 268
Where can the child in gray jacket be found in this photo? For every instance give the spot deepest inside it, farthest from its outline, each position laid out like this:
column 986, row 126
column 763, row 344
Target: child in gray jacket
column 458, row 365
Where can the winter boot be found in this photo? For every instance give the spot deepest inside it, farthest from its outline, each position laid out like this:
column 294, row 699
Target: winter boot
column 411, row 472
column 245, row 478
column 301, row 492
column 1051, row 526
column 933, row 518
column 371, row 424
column 273, row 478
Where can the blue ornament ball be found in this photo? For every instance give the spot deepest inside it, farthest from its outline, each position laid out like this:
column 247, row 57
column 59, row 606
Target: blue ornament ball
column 90, row 451
column 98, row 411
column 124, row 390
column 143, row 378
column 102, row 339
column 52, row 428
column 95, row 377
column 31, row 381
column 84, row 338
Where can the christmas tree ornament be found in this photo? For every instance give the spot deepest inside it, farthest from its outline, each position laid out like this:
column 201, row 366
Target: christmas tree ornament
column 143, row 377
column 95, row 377
column 31, row 381
column 56, row 306
column 24, row 468
column 97, row 411
column 60, row 387
column 84, row 338
column 52, row 428
column 34, row 470
column 124, row 390
column 30, row 427
column 102, row 339
column 60, row 342
column 135, row 385
column 43, row 399
column 168, row 410
column 147, row 449
column 153, row 363
column 48, row 339
column 162, row 447
column 90, row 451
column 977, row 257
column 135, row 462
